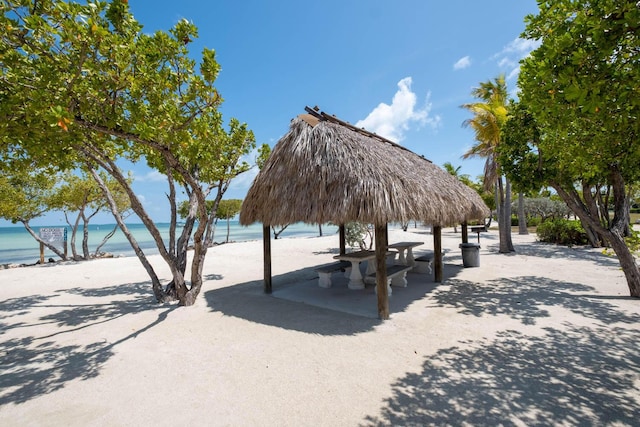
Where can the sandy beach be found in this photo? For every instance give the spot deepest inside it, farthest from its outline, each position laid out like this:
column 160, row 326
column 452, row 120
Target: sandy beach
column 545, row 336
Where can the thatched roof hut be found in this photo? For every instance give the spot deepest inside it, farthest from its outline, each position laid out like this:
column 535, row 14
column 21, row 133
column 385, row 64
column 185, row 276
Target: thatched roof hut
column 332, row 173
column 325, row 170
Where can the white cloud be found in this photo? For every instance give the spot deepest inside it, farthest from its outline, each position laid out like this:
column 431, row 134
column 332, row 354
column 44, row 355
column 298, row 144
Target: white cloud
column 242, row 182
column 391, row 121
column 151, row 176
column 506, row 63
column 512, row 53
column 521, row 46
column 513, row 73
column 462, row 63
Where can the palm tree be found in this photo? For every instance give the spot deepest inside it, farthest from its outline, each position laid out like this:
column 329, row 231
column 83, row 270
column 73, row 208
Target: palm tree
column 489, row 115
column 455, row 171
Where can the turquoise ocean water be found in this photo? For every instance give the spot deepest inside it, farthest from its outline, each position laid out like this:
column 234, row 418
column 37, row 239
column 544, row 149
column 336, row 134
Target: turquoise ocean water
column 18, row 246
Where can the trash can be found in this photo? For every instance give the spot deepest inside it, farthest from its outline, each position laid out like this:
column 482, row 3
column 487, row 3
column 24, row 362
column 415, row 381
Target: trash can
column 470, row 254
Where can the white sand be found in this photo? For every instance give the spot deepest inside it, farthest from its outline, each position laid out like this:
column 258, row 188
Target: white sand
column 546, row 336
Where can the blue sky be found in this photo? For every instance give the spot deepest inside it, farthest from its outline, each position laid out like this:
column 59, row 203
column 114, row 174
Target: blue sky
column 401, row 69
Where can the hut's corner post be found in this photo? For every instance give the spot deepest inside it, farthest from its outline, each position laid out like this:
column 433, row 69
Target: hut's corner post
column 437, row 253
column 465, row 232
column 381, row 271
column 343, row 238
column 266, row 244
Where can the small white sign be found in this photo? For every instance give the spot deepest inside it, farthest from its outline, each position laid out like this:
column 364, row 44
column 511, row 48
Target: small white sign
column 52, row 235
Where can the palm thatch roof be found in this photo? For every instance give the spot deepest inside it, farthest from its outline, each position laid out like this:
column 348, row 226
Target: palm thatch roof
column 325, row 170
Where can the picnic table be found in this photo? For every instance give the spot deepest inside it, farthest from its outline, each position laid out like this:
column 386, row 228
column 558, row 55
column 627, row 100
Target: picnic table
column 355, row 258
column 405, row 246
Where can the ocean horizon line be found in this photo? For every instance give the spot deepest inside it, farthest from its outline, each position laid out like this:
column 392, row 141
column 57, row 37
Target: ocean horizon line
column 17, row 246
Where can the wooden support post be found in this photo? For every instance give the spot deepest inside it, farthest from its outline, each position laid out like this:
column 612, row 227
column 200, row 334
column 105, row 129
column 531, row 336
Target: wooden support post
column 343, row 238
column 437, row 253
column 41, row 253
column 386, row 234
column 465, row 232
column 266, row 244
column 381, row 271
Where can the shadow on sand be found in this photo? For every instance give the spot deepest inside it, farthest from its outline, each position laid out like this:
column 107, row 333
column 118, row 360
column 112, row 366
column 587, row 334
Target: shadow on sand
column 569, row 375
column 38, row 365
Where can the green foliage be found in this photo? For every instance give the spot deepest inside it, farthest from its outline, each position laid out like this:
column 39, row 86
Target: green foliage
column 264, row 151
column 227, row 209
column 633, row 241
column 489, row 115
column 78, row 192
column 455, row 171
column 544, row 207
column 26, row 194
column 356, row 235
column 580, row 85
column 83, row 86
column 518, row 152
column 562, row 232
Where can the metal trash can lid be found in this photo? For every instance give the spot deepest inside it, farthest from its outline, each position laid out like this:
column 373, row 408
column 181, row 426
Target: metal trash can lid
column 469, row 245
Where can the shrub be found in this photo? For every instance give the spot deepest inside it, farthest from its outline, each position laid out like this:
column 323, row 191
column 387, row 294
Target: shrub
column 562, row 232
column 532, row 221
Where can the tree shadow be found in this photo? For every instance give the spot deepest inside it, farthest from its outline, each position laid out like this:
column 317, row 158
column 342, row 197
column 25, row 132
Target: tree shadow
column 550, row 250
column 526, row 298
column 334, row 251
column 36, row 365
column 570, row 376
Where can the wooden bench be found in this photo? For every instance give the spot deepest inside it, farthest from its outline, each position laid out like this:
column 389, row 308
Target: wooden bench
column 396, row 276
column 423, row 264
column 325, row 271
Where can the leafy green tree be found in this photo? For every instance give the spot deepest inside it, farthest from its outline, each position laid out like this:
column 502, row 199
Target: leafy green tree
column 85, row 77
column 489, row 116
column 80, row 195
column 455, row 171
column 227, row 209
column 581, row 87
column 357, row 234
column 25, row 195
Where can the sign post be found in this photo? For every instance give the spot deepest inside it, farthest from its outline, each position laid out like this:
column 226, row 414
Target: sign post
column 53, row 236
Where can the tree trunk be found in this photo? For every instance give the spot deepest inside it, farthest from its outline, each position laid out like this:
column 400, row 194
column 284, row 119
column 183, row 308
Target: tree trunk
column 197, row 264
column 155, row 281
column 618, row 226
column 627, row 262
column 72, row 241
column 497, row 195
column 522, row 219
column 85, row 239
column 507, row 214
column 105, row 239
column 39, row 240
column 591, row 206
column 504, row 217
